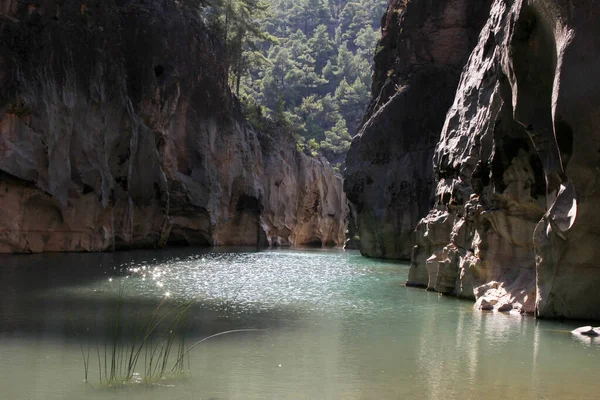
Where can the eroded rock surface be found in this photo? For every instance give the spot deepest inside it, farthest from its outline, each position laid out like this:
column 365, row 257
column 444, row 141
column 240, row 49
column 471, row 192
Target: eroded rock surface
column 389, row 176
column 516, row 215
column 118, row 130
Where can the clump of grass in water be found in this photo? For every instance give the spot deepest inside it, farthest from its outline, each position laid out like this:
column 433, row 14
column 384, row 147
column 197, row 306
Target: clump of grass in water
column 157, row 338
column 162, row 341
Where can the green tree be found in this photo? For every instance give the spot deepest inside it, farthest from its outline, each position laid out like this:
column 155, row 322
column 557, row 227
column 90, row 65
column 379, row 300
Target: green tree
column 274, row 82
column 304, row 80
column 366, row 42
column 321, row 47
column 308, row 14
column 352, row 100
column 337, row 139
column 346, row 66
column 314, row 78
column 238, row 21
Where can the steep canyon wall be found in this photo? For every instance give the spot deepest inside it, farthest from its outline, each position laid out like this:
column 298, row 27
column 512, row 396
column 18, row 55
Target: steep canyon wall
column 389, row 176
column 118, row 130
column 515, row 202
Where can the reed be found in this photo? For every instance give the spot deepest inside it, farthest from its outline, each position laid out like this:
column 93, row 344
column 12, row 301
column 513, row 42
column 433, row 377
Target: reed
column 161, row 339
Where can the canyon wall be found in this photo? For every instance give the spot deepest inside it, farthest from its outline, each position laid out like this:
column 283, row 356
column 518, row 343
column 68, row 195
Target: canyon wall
column 516, row 216
column 514, row 222
column 118, row 130
column 389, row 177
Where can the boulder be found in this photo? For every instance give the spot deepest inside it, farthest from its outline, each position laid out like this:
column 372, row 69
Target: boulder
column 586, row 331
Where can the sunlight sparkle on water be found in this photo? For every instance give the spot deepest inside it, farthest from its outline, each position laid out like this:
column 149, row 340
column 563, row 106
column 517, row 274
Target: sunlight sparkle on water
column 344, row 327
column 248, row 279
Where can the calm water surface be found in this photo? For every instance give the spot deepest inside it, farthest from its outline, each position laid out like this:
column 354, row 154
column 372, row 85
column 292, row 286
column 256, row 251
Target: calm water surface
column 332, row 325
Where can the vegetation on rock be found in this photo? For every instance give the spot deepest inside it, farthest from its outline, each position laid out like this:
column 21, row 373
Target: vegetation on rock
column 305, row 64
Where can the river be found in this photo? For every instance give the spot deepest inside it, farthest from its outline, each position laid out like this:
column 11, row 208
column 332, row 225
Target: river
column 308, row 324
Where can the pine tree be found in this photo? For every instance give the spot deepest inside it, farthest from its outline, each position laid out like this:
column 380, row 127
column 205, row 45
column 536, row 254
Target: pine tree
column 321, row 47
column 313, row 73
column 337, row 139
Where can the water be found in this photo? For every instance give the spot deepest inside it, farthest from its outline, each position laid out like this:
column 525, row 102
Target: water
column 331, row 325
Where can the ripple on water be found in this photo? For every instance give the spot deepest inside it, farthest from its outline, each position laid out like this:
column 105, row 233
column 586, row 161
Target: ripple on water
column 311, row 281
column 263, row 279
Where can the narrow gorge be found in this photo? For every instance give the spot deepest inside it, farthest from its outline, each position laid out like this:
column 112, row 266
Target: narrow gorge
column 285, row 199
column 118, row 130
column 478, row 157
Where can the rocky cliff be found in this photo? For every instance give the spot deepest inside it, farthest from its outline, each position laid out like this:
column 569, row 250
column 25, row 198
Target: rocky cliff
column 118, row 130
column 389, row 174
column 515, row 218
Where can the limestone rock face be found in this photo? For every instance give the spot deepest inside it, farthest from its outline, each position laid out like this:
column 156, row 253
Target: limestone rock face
column 304, row 201
column 389, row 176
column 118, row 130
column 516, row 215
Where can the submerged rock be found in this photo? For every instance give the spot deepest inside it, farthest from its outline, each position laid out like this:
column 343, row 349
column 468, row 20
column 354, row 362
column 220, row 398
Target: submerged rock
column 118, row 130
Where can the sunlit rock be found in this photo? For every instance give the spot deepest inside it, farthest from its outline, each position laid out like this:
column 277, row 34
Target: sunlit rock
column 586, row 331
column 516, row 166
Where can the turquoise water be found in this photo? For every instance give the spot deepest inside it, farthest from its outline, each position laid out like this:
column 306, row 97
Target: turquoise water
column 329, row 325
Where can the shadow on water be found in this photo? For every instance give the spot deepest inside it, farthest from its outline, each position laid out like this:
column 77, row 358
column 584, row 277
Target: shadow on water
column 33, row 272
column 68, row 318
column 52, row 295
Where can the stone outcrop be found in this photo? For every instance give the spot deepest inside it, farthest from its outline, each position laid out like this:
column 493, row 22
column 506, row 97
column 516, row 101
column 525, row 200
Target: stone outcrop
column 118, row 130
column 587, row 331
column 515, row 222
column 587, row 335
column 389, row 175
column 513, row 187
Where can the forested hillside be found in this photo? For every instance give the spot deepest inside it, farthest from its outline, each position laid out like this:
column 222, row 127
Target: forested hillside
column 305, row 64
